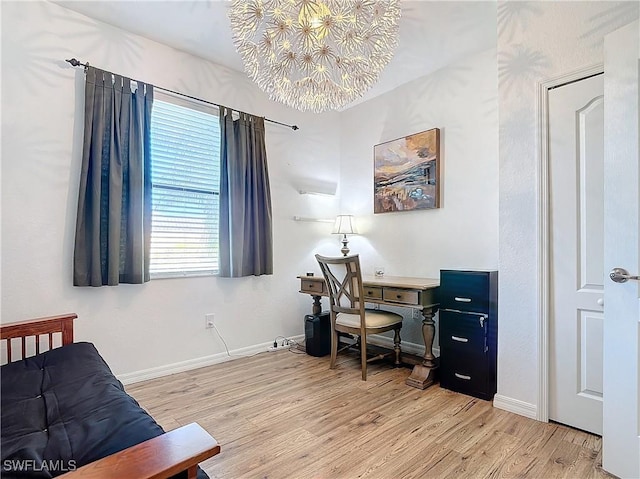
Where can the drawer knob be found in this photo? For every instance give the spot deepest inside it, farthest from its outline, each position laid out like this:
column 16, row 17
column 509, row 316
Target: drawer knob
column 462, row 300
column 398, row 296
column 459, row 339
column 369, row 293
column 462, row 376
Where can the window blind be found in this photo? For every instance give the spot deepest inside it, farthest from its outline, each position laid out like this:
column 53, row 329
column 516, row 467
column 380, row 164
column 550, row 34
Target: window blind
column 185, row 177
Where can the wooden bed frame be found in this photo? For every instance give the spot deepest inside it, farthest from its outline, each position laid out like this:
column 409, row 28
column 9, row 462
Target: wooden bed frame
column 37, row 328
column 158, row 458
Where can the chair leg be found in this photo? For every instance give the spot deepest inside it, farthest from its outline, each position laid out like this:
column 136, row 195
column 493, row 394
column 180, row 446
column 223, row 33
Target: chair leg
column 363, row 358
column 396, row 345
column 334, row 349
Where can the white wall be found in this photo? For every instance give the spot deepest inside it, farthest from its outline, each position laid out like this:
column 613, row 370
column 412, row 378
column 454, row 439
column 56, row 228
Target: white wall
column 137, row 327
column 536, row 41
column 461, row 100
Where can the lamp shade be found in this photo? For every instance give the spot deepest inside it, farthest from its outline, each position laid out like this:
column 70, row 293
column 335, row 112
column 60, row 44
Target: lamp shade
column 345, row 225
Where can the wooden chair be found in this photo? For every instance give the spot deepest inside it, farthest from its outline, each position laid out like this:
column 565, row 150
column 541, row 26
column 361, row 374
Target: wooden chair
column 348, row 314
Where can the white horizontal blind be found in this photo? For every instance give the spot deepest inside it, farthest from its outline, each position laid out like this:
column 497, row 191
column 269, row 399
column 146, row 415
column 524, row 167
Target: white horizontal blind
column 185, row 175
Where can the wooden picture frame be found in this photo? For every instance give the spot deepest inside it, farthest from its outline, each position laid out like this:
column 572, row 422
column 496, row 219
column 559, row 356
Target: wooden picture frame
column 407, row 173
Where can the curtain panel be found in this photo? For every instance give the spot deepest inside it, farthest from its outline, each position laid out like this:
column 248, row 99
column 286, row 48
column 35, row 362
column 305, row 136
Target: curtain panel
column 113, row 226
column 246, row 244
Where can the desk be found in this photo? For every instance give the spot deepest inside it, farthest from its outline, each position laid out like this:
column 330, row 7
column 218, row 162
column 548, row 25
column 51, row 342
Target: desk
column 415, row 293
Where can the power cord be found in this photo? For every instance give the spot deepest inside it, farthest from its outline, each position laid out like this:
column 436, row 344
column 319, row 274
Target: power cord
column 285, row 341
column 292, row 346
column 226, row 348
column 295, row 347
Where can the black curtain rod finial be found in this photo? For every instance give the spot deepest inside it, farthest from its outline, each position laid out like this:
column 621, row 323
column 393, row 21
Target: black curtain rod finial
column 293, row 127
column 76, row 63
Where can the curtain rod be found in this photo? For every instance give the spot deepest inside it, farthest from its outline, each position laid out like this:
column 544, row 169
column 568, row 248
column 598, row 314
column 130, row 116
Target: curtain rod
column 76, row 63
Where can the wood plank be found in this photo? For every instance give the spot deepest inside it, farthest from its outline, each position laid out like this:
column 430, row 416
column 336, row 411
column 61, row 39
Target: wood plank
column 294, row 417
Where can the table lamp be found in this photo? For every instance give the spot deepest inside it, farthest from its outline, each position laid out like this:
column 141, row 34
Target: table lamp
column 345, row 225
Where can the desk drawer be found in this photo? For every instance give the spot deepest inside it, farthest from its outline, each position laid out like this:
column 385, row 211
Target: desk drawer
column 402, row 296
column 313, row 287
column 372, row 293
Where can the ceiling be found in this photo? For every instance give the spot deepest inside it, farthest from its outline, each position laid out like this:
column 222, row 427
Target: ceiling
column 433, row 34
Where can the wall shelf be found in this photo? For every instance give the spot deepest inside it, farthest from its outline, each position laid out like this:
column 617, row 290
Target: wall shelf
column 316, row 193
column 312, row 220
column 308, row 186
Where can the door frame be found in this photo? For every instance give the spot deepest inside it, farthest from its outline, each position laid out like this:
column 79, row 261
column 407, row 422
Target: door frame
column 543, row 220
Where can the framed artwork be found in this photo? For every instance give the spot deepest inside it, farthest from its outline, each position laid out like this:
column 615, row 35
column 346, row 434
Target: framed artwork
column 407, row 173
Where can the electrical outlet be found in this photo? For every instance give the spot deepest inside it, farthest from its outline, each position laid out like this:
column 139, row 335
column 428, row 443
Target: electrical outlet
column 417, row 314
column 208, row 320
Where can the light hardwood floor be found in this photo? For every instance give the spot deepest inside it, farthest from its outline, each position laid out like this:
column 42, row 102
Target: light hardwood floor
column 286, row 415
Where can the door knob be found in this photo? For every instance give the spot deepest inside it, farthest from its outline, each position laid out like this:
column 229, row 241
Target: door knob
column 600, row 302
column 621, row 275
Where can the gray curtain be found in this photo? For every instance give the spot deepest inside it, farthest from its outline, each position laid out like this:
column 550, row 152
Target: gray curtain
column 245, row 198
column 113, row 227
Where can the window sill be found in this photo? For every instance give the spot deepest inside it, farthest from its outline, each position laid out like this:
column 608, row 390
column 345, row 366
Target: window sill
column 195, row 274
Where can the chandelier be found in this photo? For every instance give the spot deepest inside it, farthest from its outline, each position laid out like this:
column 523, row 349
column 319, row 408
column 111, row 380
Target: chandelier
column 315, row 55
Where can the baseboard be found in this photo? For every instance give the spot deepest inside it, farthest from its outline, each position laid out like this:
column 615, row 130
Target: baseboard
column 407, row 347
column 189, row 364
column 515, row 406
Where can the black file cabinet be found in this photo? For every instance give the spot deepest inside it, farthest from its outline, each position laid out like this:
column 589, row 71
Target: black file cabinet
column 468, row 332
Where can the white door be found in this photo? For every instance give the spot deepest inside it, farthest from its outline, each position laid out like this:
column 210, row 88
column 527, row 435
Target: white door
column 576, row 150
column 621, row 441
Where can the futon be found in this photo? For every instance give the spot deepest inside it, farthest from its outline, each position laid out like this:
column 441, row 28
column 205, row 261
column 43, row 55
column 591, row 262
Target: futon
column 64, row 409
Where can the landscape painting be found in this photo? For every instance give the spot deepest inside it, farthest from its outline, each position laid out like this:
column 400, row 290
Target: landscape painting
column 407, row 173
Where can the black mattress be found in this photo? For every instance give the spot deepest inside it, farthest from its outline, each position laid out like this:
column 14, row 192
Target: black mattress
column 64, row 409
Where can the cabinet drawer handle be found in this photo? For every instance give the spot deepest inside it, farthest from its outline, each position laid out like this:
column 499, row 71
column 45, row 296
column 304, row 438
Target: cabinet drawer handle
column 462, row 376
column 462, row 300
column 399, row 296
column 459, row 339
column 369, row 293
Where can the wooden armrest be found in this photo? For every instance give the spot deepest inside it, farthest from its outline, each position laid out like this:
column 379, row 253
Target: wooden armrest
column 158, row 458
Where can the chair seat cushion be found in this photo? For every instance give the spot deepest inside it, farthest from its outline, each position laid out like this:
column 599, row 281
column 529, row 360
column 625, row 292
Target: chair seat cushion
column 374, row 319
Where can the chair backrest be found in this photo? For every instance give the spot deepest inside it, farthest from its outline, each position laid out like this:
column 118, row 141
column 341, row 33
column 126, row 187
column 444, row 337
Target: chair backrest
column 344, row 280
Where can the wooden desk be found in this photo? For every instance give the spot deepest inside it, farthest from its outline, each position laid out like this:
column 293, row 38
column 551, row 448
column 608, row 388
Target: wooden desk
column 415, row 293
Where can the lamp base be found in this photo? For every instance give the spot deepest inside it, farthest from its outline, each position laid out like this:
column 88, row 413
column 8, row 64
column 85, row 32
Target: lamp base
column 345, row 248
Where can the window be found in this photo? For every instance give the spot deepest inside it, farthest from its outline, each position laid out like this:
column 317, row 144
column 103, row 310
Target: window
column 185, row 177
